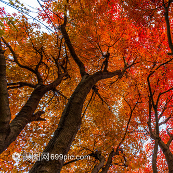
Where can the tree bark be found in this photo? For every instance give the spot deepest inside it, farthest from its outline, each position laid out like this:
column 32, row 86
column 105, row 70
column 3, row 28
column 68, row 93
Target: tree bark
column 109, row 162
column 69, row 124
column 99, row 165
column 5, row 115
column 168, row 155
column 26, row 114
column 154, row 157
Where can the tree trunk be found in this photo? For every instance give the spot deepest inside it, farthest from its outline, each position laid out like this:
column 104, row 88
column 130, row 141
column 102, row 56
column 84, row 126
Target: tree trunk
column 168, row 155
column 5, row 115
column 26, row 114
column 154, row 157
column 69, row 124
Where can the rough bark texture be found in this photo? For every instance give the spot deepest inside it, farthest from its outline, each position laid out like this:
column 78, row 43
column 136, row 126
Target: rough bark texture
column 99, row 165
column 5, row 114
column 26, row 115
column 169, row 156
column 109, row 162
column 69, row 123
column 154, row 157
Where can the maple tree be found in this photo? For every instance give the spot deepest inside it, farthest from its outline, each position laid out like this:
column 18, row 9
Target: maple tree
column 97, row 83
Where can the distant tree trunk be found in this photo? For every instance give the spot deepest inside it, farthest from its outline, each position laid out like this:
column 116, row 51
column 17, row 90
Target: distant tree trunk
column 154, row 157
column 168, row 155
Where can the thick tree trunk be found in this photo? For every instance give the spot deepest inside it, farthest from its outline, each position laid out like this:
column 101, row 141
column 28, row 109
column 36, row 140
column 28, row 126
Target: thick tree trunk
column 69, row 124
column 26, row 115
column 5, row 115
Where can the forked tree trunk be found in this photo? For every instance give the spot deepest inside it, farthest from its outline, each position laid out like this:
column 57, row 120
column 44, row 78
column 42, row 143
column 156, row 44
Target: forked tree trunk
column 69, row 123
column 10, row 131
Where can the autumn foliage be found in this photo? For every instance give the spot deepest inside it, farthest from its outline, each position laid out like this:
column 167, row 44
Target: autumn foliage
column 87, row 78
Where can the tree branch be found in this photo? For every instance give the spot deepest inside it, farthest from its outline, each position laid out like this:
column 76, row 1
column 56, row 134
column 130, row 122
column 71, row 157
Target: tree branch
column 168, row 24
column 109, row 162
column 170, row 140
column 167, row 119
column 19, row 85
column 131, row 113
column 72, row 51
column 170, row 135
column 95, row 89
column 100, row 164
column 60, row 93
column 37, row 116
column 149, row 121
column 88, row 104
column 162, row 94
column 16, row 57
column 164, row 108
column 154, row 157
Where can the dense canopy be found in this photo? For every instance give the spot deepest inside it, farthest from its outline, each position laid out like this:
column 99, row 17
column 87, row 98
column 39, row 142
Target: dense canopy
column 86, row 86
